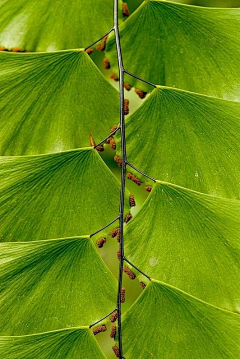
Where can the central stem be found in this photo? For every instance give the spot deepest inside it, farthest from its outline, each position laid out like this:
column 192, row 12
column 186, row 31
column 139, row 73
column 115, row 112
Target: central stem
column 123, row 175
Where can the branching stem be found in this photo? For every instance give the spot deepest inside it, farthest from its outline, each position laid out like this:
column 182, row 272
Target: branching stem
column 123, row 175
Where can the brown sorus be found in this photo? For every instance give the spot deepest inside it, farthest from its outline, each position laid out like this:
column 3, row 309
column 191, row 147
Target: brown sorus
column 114, row 316
column 148, row 188
column 100, row 242
column 114, row 77
column 106, row 63
column 132, row 200
column 2, row 48
column 17, row 49
column 127, row 86
column 91, row 140
column 118, row 254
column 114, row 232
column 126, row 106
column 129, row 273
column 100, row 148
column 123, row 291
column 100, row 329
column 108, row 140
column 89, row 51
column 113, row 128
column 102, row 45
column 116, row 351
column 141, row 93
column 143, row 285
column 125, row 9
column 128, row 217
column 134, row 179
column 113, row 143
column 118, row 237
column 113, row 332
column 118, row 160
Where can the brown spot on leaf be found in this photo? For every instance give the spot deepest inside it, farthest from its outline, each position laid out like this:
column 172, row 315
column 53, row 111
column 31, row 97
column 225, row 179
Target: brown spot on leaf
column 132, row 200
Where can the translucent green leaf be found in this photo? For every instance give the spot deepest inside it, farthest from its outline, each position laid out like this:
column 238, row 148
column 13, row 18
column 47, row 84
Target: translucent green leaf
column 51, row 102
column 49, row 25
column 56, row 195
column 182, row 46
column 53, row 284
column 63, row 344
column 189, row 240
column 168, row 323
column 187, row 139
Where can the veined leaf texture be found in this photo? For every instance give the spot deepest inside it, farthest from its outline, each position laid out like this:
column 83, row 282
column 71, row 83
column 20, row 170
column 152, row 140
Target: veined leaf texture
column 57, row 192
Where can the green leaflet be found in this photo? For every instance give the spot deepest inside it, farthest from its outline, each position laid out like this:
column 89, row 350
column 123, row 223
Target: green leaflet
column 182, row 46
column 52, row 102
column 189, row 240
column 49, row 25
column 168, row 323
column 56, row 195
column 53, row 284
column 187, row 139
column 63, row 344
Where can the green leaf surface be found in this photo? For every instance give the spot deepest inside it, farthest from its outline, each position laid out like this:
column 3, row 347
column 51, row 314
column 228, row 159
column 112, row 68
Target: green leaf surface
column 53, row 284
column 189, row 240
column 52, row 102
column 187, row 47
column 62, row 344
column 167, row 323
column 187, row 139
column 56, row 195
column 49, row 25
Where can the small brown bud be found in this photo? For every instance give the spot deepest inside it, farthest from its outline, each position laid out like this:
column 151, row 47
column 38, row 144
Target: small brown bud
column 102, row 45
column 125, row 9
column 134, row 179
column 123, row 291
column 113, row 332
column 100, row 242
column 113, row 128
column 114, row 316
column 118, row 160
column 16, row 49
column 89, row 51
column 148, row 188
column 113, row 144
column 100, row 148
column 143, row 285
column 128, row 217
column 101, row 328
column 114, row 232
column 114, row 77
column 129, row 273
column 132, row 200
column 116, row 351
column 126, row 106
column 106, row 63
column 118, row 254
column 141, row 93
column 127, row 86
